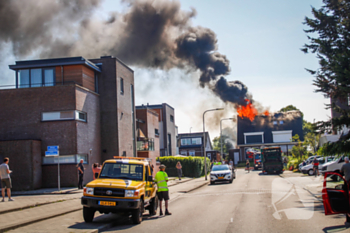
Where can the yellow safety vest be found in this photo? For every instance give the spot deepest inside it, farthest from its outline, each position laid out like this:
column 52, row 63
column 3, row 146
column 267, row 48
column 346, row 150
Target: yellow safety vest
column 161, row 180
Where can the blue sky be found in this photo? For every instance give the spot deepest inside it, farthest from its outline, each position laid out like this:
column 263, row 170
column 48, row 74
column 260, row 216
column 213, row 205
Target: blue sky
column 262, row 40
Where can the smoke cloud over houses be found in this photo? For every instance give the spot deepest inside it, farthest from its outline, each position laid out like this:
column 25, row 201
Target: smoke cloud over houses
column 150, row 34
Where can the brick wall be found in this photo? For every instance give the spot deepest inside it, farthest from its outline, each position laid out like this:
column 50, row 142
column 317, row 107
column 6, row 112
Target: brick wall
column 25, row 162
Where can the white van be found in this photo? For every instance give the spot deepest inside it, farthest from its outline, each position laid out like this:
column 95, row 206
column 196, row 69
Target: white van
column 333, row 166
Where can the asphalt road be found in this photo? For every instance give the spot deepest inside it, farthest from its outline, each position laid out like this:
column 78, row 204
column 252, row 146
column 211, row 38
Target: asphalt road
column 252, row 203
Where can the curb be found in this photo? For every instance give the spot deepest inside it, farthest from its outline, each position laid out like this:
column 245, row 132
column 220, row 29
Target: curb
column 102, row 228
column 14, row 226
column 181, row 182
column 197, row 187
column 35, row 205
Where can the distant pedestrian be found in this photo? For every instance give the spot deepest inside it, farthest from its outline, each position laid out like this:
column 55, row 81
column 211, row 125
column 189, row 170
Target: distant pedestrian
column 96, row 168
column 247, row 164
column 5, row 179
column 315, row 163
column 81, row 174
column 163, row 192
column 152, row 169
column 179, row 170
column 231, row 164
column 345, row 169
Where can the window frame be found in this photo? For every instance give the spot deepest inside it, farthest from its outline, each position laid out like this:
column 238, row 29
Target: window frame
column 121, row 86
column 42, row 84
column 75, row 116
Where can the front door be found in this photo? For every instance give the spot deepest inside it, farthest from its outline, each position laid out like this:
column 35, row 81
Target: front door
column 335, row 194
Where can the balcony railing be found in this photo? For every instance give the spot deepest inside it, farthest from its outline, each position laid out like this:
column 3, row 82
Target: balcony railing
column 146, row 144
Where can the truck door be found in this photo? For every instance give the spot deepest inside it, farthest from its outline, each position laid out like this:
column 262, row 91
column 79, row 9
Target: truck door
column 335, row 194
column 148, row 190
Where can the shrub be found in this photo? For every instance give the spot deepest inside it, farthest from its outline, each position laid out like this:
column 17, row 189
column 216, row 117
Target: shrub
column 191, row 166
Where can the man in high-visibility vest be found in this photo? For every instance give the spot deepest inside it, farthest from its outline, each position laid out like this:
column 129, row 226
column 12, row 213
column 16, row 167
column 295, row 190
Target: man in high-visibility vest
column 163, row 192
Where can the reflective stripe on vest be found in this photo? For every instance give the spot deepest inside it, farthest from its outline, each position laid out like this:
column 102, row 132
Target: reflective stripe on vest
column 160, row 179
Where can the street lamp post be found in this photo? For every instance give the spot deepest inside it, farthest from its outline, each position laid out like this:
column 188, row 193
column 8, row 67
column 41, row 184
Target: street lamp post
column 221, row 153
column 205, row 154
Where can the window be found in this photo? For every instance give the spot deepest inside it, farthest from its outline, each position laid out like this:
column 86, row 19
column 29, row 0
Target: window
column 254, row 137
column 183, row 152
column 156, row 132
column 192, row 153
column 121, row 86
column 64, row 115
column 196, row 141
column 275, row 122
column 171, row 118
column 66, row 159
column 282, row 136
column 185, row 141
column 122, row 171
column 35, row 77
column 281, row 122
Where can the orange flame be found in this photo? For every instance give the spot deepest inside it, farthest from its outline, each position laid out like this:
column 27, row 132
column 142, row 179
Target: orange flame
column 248, row 111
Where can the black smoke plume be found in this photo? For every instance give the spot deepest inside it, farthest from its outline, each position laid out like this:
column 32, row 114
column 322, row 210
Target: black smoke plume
column 151, row 33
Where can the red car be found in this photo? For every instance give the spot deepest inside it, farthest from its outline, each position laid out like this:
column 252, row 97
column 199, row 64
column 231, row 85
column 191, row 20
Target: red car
column 335, row 195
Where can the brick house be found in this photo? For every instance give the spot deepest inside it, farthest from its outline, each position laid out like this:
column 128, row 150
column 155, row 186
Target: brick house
column 147, row 134
column 166, row 128
column 86, row 107
column 191, row 144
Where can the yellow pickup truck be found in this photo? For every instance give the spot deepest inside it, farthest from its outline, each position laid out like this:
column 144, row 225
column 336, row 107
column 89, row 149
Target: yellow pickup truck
column 125, row 184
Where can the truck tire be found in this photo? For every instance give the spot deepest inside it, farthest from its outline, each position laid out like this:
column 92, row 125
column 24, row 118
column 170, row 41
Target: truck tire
column 153, row 206
column 136, row 215
column 88, row 214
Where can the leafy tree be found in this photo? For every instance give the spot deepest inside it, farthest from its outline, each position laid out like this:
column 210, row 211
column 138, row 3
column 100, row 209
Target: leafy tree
column 299, row 150
column 226, row 144
column 291, row 108
column 329, row 39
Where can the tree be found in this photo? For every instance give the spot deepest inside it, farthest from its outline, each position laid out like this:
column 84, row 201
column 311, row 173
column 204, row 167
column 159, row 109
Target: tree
column 331, row 44
column 291, row 108
column 226, row 144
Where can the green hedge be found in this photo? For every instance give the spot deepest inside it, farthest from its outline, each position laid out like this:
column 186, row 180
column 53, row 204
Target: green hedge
column 191, row 166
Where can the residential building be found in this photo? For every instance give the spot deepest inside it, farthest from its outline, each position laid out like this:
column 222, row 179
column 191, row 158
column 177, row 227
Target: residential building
column 166, row 129
column 86, row 107
column 148, row 134
column 191, row 144
column 264, row 131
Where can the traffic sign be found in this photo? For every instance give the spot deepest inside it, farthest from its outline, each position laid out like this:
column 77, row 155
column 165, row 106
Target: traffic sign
column 52, row 148
column 51, row 153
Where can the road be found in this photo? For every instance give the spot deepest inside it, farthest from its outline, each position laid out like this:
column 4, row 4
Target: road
column 252, row 203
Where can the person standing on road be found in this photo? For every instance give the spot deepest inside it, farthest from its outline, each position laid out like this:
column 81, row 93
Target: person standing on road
column 81, row 174
column 163, row 192
column 231, row 164
column 345, row 169
column 5, row 179
column 247, row 164
column 316, row 163
column 95, row 170
column 179, row 170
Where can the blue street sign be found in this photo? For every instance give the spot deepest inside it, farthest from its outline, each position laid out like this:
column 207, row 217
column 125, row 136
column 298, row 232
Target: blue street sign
column 52, row 148
column 51, row 153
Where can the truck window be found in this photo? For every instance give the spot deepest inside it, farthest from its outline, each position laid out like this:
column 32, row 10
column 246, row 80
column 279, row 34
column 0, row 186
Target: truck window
column 122, row 171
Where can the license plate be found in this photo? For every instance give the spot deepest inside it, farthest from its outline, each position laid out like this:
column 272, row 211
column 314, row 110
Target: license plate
column 221, row 177
column 107, row 203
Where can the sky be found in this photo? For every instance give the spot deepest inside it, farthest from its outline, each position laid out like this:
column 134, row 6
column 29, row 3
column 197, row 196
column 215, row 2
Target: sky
column 261, row 39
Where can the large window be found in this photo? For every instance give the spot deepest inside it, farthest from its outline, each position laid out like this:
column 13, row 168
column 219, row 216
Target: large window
column 145, row 145
column 36, row 77
column 64, row 115
column 254, row 137
column 191, row 141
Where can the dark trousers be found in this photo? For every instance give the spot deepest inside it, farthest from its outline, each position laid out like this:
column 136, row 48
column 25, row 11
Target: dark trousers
column 179, row 173
column 80, row 184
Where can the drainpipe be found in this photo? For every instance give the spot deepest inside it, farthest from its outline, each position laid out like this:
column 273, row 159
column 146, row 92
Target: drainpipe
column 62, row 74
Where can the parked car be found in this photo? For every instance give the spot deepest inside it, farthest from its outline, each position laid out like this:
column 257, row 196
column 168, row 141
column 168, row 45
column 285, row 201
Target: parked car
column 221, row 173
column 333, row 166
column 309, row 161
column 309, row 169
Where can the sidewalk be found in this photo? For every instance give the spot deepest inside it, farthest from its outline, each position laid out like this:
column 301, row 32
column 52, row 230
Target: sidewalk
column 42, row 204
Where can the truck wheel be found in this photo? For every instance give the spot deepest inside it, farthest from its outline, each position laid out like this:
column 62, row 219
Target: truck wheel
column 310, row 172
column 348, row 217
column 137, row 214
column 88, row 214
column 154, row 206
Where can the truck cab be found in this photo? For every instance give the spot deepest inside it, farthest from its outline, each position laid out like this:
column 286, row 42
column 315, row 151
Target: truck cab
column 123, row 185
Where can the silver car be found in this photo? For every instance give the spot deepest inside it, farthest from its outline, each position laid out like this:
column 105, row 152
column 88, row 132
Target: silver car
column 222, row 173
